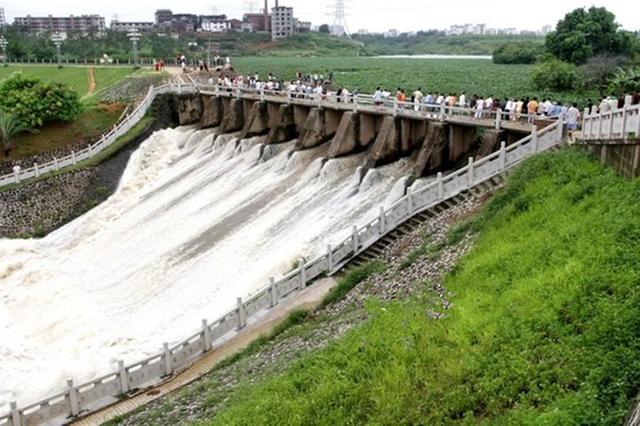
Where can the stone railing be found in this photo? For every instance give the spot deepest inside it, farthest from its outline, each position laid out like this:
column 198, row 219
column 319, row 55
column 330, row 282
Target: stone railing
column 389, row 105
column 619, row 123
column 82, row 399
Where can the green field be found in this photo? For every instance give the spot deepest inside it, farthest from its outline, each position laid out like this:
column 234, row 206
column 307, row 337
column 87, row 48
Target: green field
column 76, row 77
column 544, row 328
column 474, row 76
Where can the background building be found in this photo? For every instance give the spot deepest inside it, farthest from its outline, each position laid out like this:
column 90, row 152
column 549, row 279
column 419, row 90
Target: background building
column 282, row 24
column 128, row 26
column 84, row 24
column 215, row 23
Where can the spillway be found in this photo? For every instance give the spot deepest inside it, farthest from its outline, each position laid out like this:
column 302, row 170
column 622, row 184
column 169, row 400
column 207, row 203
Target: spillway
column 198, row 220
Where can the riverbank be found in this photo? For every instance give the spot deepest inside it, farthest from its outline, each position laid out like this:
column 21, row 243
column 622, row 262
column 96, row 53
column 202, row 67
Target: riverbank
column 33, row 210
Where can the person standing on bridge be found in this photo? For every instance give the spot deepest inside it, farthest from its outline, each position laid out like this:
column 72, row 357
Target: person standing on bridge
column 417, row 99
column 462, row 102
column 532, row 107
column 573, row 115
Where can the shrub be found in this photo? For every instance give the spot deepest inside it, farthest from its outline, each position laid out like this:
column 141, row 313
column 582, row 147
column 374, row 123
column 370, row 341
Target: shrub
column 517, row 53
column 35, row 103
column 556, row 75
column 625, row 81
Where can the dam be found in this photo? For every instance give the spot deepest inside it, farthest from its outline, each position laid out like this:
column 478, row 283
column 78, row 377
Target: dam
column 207, row 212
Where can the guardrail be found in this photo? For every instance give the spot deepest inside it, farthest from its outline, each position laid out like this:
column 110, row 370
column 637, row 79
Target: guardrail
column 83, row 399
column 619, row 123
column 386, row 105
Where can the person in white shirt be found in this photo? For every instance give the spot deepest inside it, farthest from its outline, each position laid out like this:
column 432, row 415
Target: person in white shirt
column 463, row 100
column 440, row 100
column 417, row 99
column 377, row 97
column 605, row 105
column 479, row 108
column 573, row 115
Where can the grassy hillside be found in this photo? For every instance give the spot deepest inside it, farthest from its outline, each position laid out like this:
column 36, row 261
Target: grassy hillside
column 76, row 77
column 544, row 329
column 443, row 75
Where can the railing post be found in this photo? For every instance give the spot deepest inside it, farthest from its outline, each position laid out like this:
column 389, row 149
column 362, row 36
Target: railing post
column 303, row 275
column 166, row 358
column 354, row 239
column 273, row 292
column 206, row 335
column 262, row 95
column 36, row 168
column 470, row 172
column 442, row 112
column 122, row 376
column 16, row 417
column 73, row 398
column 329, row 258
column 534, row 140
column 395, row 107
column 623, row 130
column 587, row 123
column 56, row 166
column 610, row 130
column 498, row 118
column 73, row 157
column 242, row 320
column 16, row 174
column 410, row 205
column 381, row 221
column 440, row 187
column 503, row 155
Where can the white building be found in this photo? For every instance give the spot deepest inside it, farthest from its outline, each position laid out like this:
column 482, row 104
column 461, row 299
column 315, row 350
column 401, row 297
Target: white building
column 282, row 23
column 128, row 26
column 215, row 26
column 392, row 34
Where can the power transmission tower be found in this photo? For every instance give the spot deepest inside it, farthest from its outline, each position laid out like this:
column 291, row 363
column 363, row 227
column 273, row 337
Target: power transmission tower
column 339, row 18
column 250, row 6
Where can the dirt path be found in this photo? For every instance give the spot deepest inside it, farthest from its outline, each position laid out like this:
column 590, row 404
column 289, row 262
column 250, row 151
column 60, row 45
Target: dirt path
column 91, row 74
column 308, row 299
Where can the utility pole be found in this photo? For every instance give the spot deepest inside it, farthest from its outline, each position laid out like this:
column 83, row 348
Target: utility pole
column 3, row 44
column 134, row 35
column 57, row 39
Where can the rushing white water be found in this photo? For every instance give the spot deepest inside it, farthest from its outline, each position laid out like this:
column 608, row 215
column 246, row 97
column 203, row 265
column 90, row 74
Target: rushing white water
column 196, row 222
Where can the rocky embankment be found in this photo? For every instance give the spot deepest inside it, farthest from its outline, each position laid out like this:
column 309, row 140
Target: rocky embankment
column 34, row 210
column 201, row 400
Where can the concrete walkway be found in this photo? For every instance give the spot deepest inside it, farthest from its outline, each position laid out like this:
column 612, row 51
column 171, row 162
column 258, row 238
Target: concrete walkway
column 308, row 299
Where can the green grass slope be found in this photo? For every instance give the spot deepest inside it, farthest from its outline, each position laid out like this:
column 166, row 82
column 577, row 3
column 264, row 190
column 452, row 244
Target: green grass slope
column 76, row 77
column 544, row 329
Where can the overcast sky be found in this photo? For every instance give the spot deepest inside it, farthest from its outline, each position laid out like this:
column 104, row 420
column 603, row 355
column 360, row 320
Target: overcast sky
column 374, row 15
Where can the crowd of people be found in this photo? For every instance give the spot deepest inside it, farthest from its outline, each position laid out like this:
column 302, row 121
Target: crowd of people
column 516, row 109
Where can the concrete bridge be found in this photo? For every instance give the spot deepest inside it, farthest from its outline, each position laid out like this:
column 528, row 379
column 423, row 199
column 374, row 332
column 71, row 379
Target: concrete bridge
column 436, row 137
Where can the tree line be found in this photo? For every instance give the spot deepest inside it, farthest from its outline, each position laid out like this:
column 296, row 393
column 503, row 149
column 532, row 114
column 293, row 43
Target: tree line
column 588, row 49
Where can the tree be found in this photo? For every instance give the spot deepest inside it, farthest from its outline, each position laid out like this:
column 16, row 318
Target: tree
column 324, row 28
column 556, row 75
column 517, row 53
column 9, row 127
column 625, row 81
column 35, row 103
column 599, row 70
column 585, row 33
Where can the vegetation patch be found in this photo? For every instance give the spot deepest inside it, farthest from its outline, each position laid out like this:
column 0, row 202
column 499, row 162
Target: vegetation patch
column 352, row 278
column 543, row 329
